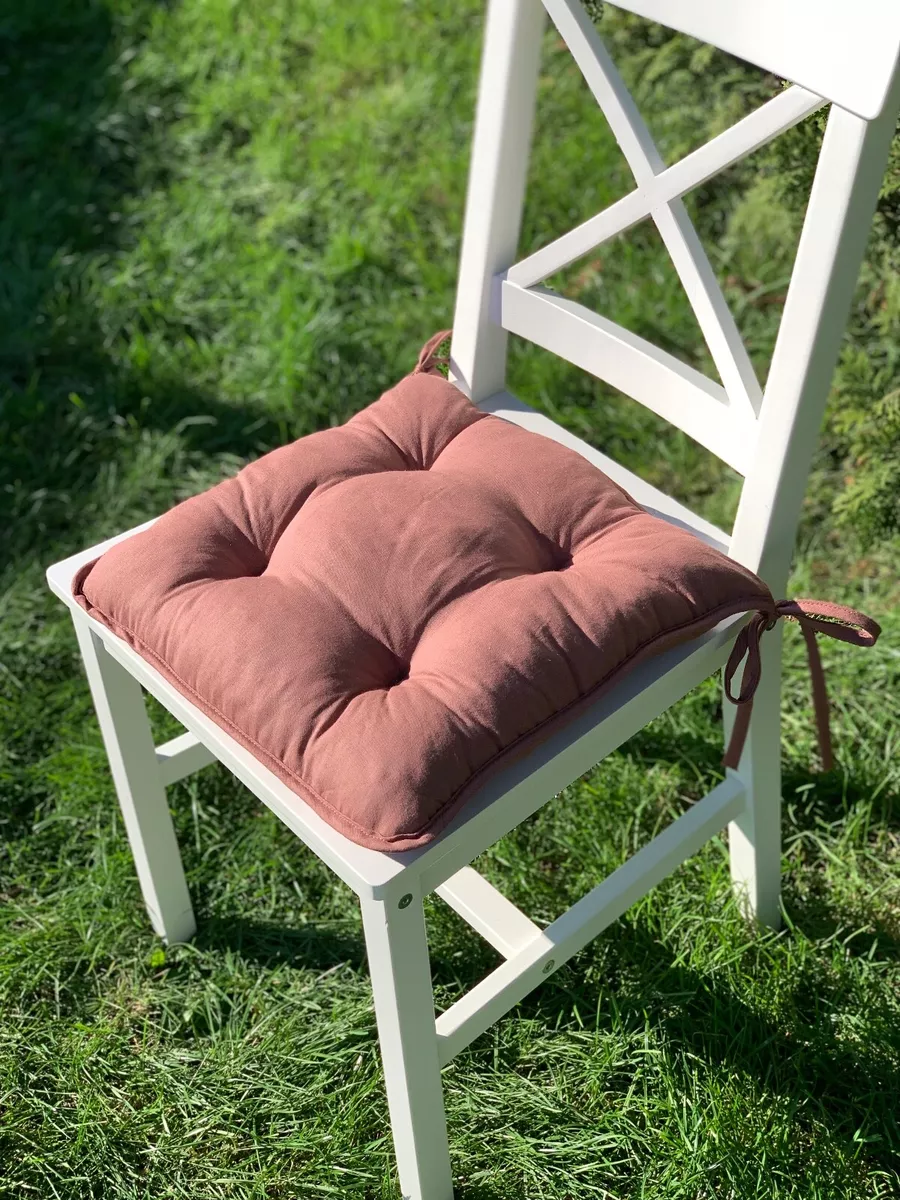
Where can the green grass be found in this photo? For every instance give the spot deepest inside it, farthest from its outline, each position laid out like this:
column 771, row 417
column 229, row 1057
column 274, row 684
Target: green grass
column 224, row 226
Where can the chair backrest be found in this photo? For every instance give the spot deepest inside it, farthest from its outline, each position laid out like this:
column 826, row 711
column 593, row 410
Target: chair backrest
column 836, row 52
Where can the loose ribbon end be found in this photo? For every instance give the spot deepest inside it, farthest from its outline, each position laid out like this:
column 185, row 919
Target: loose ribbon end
column 813, row 616
column 428, row 360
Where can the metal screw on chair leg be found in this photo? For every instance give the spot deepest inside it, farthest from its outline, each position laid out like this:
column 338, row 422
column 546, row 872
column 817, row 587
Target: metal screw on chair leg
column 405, row 901
column 549, row 965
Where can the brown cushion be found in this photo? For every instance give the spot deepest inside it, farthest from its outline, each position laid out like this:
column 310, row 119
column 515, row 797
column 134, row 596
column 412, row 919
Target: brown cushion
column 385, row 611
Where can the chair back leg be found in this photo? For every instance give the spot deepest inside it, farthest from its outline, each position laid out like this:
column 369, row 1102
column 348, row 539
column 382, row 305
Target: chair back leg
column 497, row 176
column 127, row 737
column 400, row 968
column 754, row 838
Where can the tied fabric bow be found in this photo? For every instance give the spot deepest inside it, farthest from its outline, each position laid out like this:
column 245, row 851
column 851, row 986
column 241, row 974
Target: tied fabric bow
column 813, row 616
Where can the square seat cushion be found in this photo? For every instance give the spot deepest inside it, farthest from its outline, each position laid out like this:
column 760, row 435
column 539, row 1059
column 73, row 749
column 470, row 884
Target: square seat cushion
column 384, row 612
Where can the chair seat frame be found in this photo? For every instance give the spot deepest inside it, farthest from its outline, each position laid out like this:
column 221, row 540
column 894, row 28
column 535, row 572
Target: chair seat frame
column 769, row 437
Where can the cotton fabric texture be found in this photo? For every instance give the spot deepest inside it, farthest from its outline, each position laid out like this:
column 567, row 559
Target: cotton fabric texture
column 385, row 612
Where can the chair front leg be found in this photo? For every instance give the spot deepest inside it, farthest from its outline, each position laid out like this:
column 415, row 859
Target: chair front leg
column 397, row 948
column 755, row 837
column 119, row 703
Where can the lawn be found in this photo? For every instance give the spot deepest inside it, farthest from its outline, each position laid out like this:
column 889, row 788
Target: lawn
column 224, row 226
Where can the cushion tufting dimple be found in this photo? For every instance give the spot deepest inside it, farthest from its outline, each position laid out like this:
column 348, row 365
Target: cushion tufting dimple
column 385, row 611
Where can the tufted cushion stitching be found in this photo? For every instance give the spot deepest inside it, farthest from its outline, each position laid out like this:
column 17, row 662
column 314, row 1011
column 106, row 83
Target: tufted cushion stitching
column 668, row 638
column 412, row 462
column 425, row 543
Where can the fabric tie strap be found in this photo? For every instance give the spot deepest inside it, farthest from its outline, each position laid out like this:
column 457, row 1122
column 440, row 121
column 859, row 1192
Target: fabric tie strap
column 428, row 360
column 813, row 616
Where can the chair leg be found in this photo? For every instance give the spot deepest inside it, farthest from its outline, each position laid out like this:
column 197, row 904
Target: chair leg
column 404, row 1008
column 755, row 837
column 119, row 703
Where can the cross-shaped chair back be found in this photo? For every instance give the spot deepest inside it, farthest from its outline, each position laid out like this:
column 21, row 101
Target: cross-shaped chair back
column 836, row 53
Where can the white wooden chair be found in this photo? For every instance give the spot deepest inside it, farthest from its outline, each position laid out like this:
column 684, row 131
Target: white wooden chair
column 836, row 52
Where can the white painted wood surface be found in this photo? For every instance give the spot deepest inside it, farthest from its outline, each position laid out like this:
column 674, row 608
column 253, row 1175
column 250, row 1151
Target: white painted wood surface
column 500, row 146
column 397, row 949
column 678, row 234
column 122, row 716
column 488, row 911
column 755, row 130
column 712, row 312
column 608, row 88
column 182, row 756
column 844, row 51
column 658, row 380
column 838, row 219
column 754, row 835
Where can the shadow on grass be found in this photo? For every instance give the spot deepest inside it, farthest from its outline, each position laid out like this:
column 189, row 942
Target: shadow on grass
column 80, row 380
column 76, row 144
column 808, row 1059
column 827, row 1059
column 826, row 794
column 845, row 1086
column 311, row 947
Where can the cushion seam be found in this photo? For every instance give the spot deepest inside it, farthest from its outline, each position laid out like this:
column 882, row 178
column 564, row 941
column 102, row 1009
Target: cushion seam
column 720, row 613
column 729, row 610
column 150, row 653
